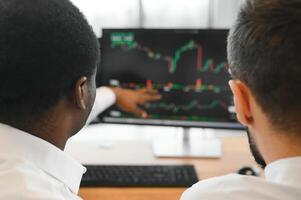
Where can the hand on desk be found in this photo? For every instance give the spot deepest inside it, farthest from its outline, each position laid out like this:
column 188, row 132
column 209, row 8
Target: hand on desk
column 130, row 100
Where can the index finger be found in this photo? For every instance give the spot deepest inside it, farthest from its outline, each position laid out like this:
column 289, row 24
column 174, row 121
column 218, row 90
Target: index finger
column 149, row 97
column 149, row 91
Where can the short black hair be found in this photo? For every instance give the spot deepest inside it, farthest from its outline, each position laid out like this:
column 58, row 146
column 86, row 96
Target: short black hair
column 264, row 51
column 45, row 46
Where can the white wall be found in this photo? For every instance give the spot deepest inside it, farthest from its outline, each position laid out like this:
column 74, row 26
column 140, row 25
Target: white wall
column 110, row 13
column 175, row 13
column 224, row 12
column 158, row 13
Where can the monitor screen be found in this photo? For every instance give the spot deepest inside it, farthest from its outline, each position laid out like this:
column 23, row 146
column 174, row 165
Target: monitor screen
column 188, row 67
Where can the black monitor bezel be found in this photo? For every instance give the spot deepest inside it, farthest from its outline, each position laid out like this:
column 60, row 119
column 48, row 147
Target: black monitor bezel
column 169, row 123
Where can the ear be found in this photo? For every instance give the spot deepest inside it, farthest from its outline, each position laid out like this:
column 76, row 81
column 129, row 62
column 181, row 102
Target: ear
column 81, row 93
column 242, row 101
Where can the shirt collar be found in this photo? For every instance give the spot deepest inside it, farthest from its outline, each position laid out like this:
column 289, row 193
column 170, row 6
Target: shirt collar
column 52, row 160
column 284, row 171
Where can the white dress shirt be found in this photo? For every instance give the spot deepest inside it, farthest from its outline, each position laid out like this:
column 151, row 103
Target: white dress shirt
column 105, row 97
column 282, row 182
column 31, row 168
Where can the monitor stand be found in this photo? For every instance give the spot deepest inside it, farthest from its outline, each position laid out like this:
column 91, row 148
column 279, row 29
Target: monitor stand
column 205, row 145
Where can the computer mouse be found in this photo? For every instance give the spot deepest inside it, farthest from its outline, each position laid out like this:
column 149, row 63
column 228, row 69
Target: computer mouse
column 249, row 171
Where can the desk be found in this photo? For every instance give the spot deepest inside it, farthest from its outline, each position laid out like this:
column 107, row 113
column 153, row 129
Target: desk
column 235, row 155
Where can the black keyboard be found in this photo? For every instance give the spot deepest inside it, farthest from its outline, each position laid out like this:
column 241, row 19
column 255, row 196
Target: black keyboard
column 139, row 176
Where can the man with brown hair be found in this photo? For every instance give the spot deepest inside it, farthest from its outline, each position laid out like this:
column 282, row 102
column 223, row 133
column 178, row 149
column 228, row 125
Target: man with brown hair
column 264, row 55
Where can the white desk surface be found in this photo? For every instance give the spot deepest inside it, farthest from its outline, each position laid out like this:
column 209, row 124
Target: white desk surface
column 130, row 144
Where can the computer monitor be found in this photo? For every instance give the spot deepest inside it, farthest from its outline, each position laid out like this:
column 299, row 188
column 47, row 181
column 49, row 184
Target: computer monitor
column 188, row 67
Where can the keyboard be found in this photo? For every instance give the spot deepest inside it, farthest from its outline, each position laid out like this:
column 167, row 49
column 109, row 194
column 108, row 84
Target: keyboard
column 139, row 176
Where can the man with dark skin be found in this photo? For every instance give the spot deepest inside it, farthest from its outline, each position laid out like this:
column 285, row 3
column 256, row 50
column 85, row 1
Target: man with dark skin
column 48, row 61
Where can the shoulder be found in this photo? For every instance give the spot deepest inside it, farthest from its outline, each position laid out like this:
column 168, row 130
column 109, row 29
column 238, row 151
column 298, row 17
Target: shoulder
column 23, row 180
column 223, row 187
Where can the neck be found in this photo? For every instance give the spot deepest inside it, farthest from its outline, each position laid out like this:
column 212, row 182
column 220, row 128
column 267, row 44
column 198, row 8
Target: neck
column 52, row 126
column 276, row 145
column 55, row 136
column 49, row 131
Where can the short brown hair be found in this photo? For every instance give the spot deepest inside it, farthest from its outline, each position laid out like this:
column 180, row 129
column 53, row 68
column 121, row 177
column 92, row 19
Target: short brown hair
column 264, row 51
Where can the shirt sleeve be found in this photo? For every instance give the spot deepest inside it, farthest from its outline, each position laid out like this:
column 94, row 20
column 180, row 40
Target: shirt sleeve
column 105, row 97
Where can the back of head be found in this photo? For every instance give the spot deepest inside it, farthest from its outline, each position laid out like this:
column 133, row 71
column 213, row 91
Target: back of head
column 45, row 46
column 264, row 52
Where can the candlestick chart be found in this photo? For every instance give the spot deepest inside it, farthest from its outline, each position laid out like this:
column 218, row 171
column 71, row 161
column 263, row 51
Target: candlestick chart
column 188, row 67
